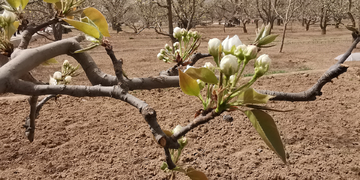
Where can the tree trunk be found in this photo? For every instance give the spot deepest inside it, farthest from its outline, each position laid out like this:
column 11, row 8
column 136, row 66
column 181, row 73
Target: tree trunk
column 307, row 25
column 283, row 37
column 323, row 30
column 58, row 31
column 170, row 20
column 303, row 22
column 256, row 21
column 244, row 28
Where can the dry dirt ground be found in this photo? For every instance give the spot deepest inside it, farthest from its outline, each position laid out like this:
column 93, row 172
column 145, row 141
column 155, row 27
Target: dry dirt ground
column 103, row 138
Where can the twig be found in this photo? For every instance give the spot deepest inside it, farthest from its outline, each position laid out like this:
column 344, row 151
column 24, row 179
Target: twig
column 30, row 122
column 311, row 94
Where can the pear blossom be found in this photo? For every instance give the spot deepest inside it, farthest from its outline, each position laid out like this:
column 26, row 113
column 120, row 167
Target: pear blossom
column 57, row 75
column 177, row 32
column 66, row 63
column 229, row 65
column 229, row 43
column 8, row 16
column 262, row 64
column 67, row 79
column 160, row 56
column 214, row 46
column 250, row 52
column 52, row 81
column 209, row 66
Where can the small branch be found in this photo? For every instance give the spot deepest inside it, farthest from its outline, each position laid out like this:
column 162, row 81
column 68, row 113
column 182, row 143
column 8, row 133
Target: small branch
column 30, row 121
column 205, row 117
column 30, row 31
column 173, row 71
column 169, row 161
column 42, row 35
column 310, row 94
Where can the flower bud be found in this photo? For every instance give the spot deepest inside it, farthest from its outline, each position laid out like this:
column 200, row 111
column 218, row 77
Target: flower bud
column 266, row 31
column 201, row 84
column 232, row 78
column 162, row 51
column 229, row 65
column 66, row 63
column 167, row 47
column 8, row 16
column 176, row 45
column 67, row 79
column 184, row 32
column 239, row 51
column 250, row 52
column 209, row 66
column 177, row 33
column 160, row 56
column 196, row 35
column 52, row 81
column 214, row 47
column 57, row 75
column 262, row 65
column 229, row 45
column 177, row 129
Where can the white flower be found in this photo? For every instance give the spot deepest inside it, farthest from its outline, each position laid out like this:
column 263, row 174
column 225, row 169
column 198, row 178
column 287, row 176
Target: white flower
column 67, row 79
column 232, row 78
column 160, row 56
column 201, row 84
column 229, row 65
column 8, row 16
column 177, row 32
column 176, row 45
column 214, row 46
column 209, row 66
column 262, row 64
column 57, row 75
column 167, row 47
column 162, row 51
column 177, row 129
column 183, row 32
column 250, row 52
column 228, row 44
column 66, row 63
column 52, row 81
column 188, row 67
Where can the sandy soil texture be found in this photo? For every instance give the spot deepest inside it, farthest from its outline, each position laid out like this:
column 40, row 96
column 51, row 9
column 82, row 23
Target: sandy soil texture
column 104, row 138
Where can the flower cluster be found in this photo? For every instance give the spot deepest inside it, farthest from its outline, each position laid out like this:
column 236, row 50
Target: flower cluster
column 188, row 43
column 65, row 76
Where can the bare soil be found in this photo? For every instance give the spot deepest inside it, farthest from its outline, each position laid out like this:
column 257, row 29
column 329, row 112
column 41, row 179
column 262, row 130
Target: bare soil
column 104, row 138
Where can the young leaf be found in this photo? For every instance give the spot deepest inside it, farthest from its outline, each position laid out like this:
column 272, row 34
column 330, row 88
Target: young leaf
column 24, row 3
column 268, row 39
column 84, row 27
column 99, row 19
column 188, row 85
column 203, row 74
column 50, row 61
column 14, row 3
column 250, row 96
column 195, row 174
column 266, row 127
column 51, row 1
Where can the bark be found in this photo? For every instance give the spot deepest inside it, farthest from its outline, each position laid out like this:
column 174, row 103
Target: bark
column 283, row 37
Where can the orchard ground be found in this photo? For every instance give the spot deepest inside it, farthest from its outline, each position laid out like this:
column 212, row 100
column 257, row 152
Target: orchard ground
column 104, row 138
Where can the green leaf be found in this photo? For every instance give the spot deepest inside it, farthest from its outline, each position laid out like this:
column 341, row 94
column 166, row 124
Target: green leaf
column 195, row 174
column 266, row 127
column 250, row 96
column 268, row 39
column 203, row 74
column 188, row 85
column 14, row 3
column 84, row 27
column 99, row 19
column 11, row 29
column 51, row 1
column 50, row 61
column 24, row 3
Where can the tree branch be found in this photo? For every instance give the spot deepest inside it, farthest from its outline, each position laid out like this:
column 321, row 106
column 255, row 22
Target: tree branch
column 310, row 94
column 30, row 121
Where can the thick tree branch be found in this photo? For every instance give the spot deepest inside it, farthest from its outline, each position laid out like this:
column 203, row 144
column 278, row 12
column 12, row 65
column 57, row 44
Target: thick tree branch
column 310, row 94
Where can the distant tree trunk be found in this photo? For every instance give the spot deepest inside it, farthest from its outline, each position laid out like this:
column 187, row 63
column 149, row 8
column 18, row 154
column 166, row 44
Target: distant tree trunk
column 323, row 31
column 170, row 20
column 307, row 23
column 244, row 25
column 283, row 37
column 58, row 31
column 256, row 21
